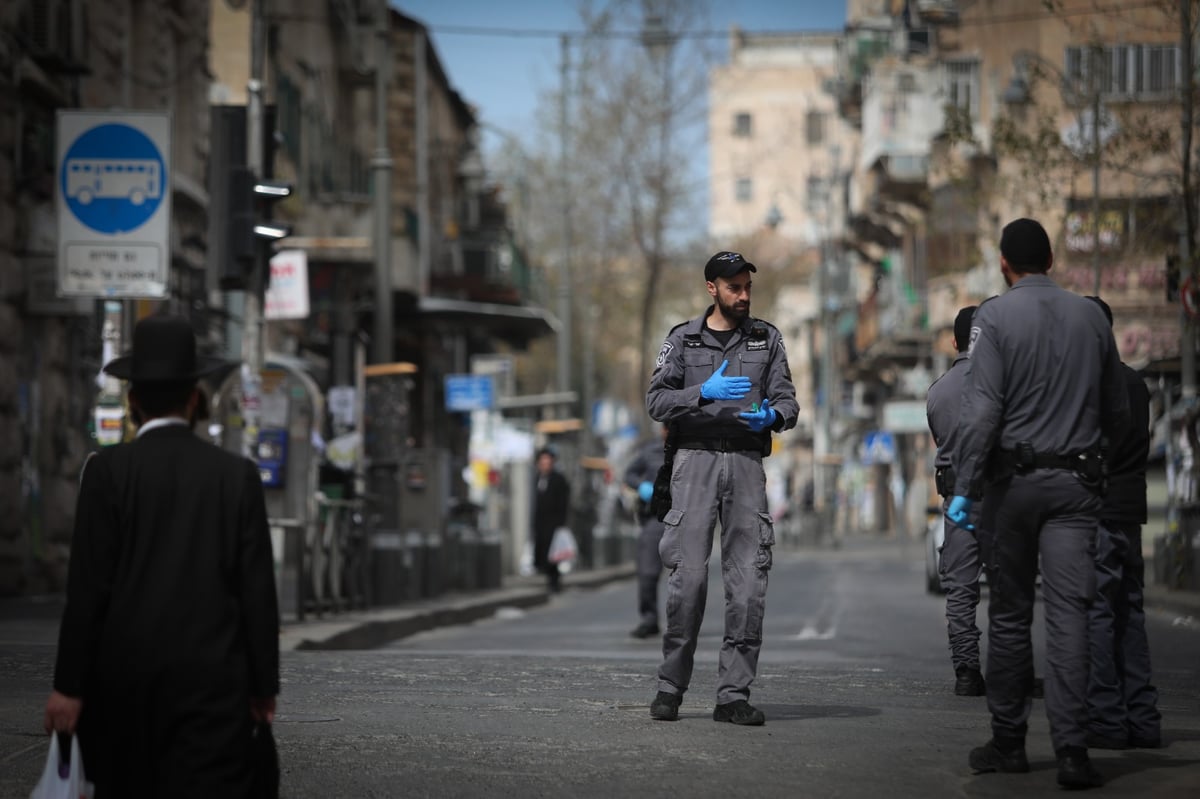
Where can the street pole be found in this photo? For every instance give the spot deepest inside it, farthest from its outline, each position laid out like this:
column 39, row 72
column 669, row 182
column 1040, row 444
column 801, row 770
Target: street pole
column 564, row 278
column 421, row 101
column 252, row 334
column 381, row 166
column 1096, row 174
column 1187, row 329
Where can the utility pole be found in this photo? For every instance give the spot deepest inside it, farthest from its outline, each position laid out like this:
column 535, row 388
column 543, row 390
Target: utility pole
column 564, row 278
column 381, row 166
column 1187, row 328
column 421, row 100
column 252, row 333
column 1095, row 81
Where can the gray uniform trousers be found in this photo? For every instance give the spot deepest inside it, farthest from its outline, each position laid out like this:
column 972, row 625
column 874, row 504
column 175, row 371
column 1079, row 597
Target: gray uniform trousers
column 1121, row 700
column 959, row 567
column 649, row 568
column 1052, row 513
column 707, row 487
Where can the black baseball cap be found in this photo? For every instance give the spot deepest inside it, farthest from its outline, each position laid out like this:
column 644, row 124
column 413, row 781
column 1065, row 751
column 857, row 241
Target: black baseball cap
column 726, row 264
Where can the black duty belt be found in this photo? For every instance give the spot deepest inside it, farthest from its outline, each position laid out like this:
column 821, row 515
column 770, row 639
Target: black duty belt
column 732, row 444
column 1081, row 462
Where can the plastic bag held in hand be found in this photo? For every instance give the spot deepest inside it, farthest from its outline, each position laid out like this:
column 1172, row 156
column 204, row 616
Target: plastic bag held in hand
column 67, row 782
column 761, row 418
column 720, row 387
column 646, row 491
column 959, row 510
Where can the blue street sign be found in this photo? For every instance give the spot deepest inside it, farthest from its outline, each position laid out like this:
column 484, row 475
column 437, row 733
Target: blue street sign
column 113, row 203
column 879, row 446
column 469, row 393
column 112, row 178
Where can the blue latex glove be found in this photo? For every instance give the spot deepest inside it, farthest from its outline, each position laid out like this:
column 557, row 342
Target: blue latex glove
column 645, row 491
column 720, row 387
column 960, row 508
column 760, row 419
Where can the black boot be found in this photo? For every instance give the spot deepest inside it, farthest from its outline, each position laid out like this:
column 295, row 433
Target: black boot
column 1075, row 769
column 1005, row 757
column 968, row 682
column 665, row 706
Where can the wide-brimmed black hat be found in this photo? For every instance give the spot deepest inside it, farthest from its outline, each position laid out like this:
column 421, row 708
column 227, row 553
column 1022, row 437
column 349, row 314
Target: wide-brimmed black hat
column 164, row 350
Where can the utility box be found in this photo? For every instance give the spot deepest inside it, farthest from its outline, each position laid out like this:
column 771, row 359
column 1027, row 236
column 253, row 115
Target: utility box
column 387, row 404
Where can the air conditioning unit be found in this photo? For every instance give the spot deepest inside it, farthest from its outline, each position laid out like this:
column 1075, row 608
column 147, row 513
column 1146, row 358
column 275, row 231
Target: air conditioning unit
column 937, row 11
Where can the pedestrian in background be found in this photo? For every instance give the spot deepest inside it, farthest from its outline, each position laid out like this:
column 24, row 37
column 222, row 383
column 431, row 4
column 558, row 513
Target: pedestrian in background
column 639, row 475
column 1043, row 385
column 961, row 558
column 168, row 651
column 722, row 381
column 551, row 502
column 1122, row 702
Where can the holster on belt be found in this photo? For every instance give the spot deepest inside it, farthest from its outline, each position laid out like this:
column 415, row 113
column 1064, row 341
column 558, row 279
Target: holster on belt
column 660, row 501
column 943, row 480
column 1089, row 465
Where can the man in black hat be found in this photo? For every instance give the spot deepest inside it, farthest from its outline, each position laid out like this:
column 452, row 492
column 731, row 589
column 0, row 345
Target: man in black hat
column 168, row 652
column 723, row 385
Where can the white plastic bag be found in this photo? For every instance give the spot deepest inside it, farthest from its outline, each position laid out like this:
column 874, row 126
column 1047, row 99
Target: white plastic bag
column 563, row 547
column 68, row 782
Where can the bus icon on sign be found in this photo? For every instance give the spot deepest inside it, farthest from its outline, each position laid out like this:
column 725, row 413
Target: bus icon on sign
column 135, row 180
column 113, row 179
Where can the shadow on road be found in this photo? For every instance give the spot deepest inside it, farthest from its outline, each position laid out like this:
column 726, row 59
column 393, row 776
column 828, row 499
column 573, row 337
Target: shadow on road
column 804, row 712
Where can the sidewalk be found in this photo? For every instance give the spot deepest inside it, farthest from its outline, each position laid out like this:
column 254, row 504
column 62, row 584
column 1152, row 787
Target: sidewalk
column 372, row 628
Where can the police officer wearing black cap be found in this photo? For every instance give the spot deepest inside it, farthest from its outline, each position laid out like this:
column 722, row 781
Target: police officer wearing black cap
column 723, row 385
column 1043, row 386
column 959, row 563
column 1122, row 701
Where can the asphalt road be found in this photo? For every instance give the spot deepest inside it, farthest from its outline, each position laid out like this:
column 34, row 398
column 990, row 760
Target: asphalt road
column 552, row 701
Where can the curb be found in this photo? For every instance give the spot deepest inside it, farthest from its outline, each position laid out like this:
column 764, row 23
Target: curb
column 376, row 628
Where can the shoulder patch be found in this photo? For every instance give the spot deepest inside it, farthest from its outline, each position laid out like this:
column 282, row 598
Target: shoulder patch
column 663, row 353
column 974, row 337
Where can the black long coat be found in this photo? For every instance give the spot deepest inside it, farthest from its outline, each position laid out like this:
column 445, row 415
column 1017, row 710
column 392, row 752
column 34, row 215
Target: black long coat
column 551, row 500
column 171, row 622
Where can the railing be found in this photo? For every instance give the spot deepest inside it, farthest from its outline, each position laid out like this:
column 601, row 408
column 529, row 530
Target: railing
column 332, row 572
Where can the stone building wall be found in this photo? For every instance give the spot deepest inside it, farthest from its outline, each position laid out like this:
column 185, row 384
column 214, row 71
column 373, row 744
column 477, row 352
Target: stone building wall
column 64, row 54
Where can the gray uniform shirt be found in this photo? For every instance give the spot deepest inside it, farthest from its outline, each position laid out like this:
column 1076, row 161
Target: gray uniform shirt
column 691, row 354
column 941, row 408
column 1044, row 368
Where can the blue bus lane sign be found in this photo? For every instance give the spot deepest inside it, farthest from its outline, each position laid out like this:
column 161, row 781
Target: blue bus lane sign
column 113, row 193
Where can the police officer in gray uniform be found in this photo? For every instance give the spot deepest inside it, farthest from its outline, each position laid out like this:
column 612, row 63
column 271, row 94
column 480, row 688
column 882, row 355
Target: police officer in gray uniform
column 1043, row 385
column 639, row 475
column 959, row 564
column 722, row 382
column 1122, row 702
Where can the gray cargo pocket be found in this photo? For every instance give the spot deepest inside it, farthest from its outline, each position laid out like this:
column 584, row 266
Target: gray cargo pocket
column 669, row 546
column 766, row 540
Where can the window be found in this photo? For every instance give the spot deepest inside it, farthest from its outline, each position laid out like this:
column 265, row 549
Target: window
column 1125, row 71
column 742, row 125
column 962, row 85
column 814, row 194
column 743, row 190
column 814, row 127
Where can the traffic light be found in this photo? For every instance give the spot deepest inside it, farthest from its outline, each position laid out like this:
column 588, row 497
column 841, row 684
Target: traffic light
column 250, row 226
column 240, row 226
